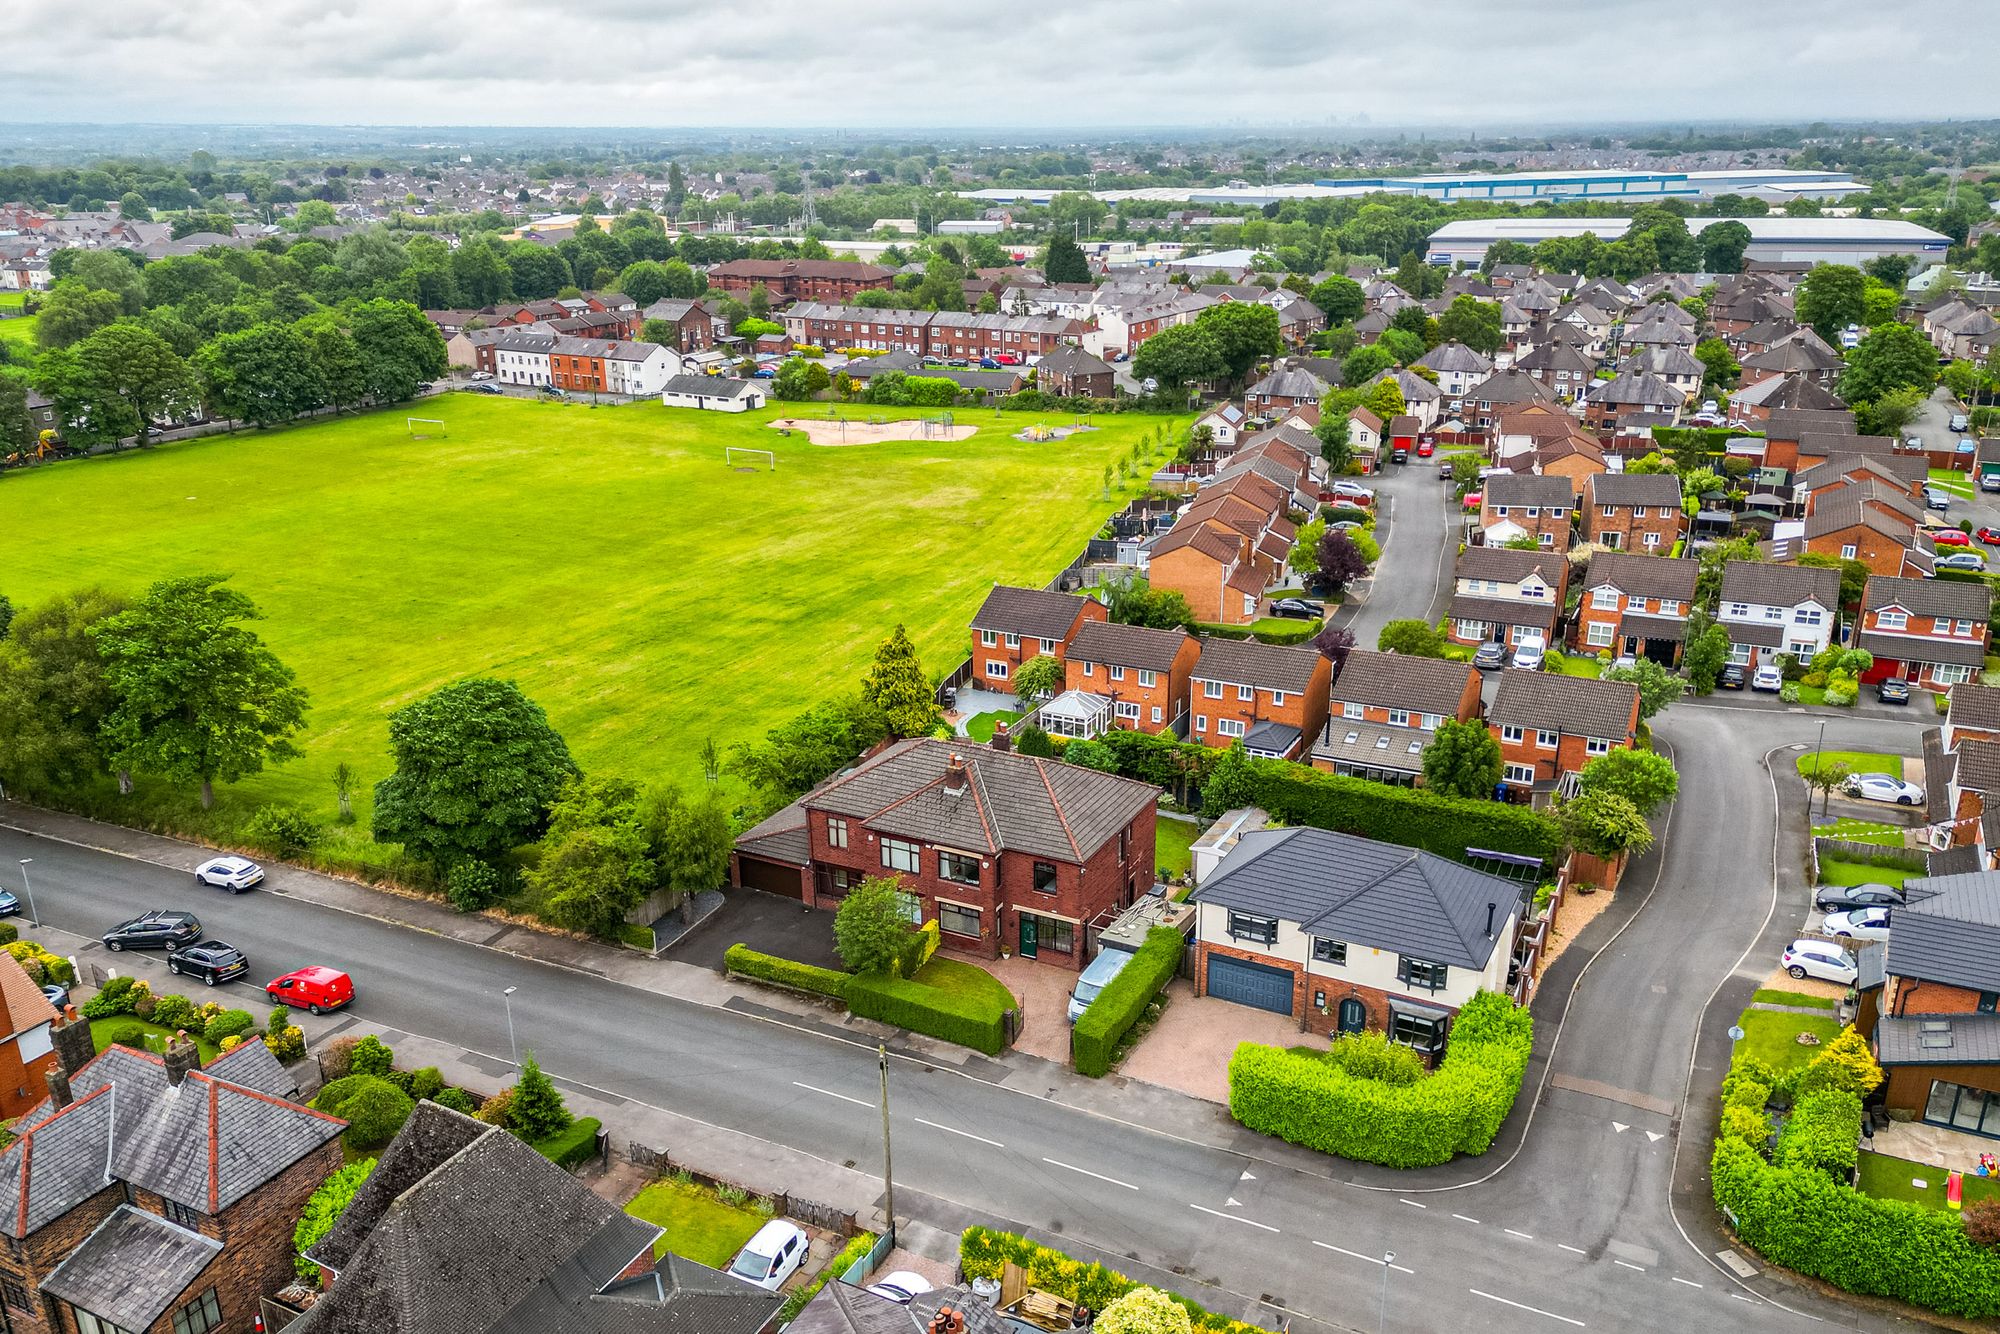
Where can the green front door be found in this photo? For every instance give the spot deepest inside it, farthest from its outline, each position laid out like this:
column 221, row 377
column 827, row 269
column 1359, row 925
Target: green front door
column 1028, row 933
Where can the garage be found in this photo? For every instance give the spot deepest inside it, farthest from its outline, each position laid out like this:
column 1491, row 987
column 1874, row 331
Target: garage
column 1253, row 984
column 771, row 877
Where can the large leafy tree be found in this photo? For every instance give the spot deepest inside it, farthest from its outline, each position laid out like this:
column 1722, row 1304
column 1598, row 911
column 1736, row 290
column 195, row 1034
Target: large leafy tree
column 870, row 930
column 1472, row 322
column 1643, row 777
column 1604, row 824
column 1039, row 677
column 54, row 697
column 593, row 867
column 197, row 695
column 1722, row 246
column 1340, row 299
column 1244, row 332
column 1462, row 760
column 897, row 686
column 1412, row 638
column 1132, row 602
column 645, row 282
column 798, row 754
column 335, row 358
column 73, row 311
column 1893, row 356
column 17, row 428
column 266, row 375
column 1719, row 364
column 477, row 768
column 1339, row 560
column 1183, row 355
column 1705, row 658
column 1830, row 298
column 1065, row 262
column 400, row 349
column 1364, row 364
column 1658, row 684
column 117, row 383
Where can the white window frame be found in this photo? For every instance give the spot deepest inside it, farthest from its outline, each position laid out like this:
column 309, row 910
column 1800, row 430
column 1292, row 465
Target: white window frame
column 996, row 669
column 1547, row 740
column 1510, row 733
column 1230, row 727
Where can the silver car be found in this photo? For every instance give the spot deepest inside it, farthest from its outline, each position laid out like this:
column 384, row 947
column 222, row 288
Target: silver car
column 232, row 873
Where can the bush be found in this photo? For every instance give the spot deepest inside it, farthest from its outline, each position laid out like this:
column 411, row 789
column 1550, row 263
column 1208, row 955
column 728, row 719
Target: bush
column 537, row 1111
column 1121, row 1002
column 400, row 1078
column 175, row 1011
column 985, row 1253
column 228, row 1024
column 498, row 1110
column 323, row 1210
column 145, row 1005
column 426, row 1083
column 232, row 1042
column 336, row 1058
column 968, row 1021
column 1032, row 740
column 1412, row 816
column 282, row 831
column 923, row 944
column 1823, row 1131
column 458, row 1100
column 286, row 1042
column 569, row 1147
column 1374, row 1056
column 9, row 933
column 371, row 1057
column 1982, row 1222
column 373, row 1108
column 116, row 997
column 472, row 885
column 742, row 961
column 1308, row 1100
column 46, row 967
column 1789, row 692
column 857, row 1246
column 1813, row 680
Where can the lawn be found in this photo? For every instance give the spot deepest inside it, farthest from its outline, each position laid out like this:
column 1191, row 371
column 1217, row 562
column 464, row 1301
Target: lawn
column 136, row 1032
column 19, row 331
column 979, row 727
column 1893, row 1178
column 1833, row 871
column 1171, row 841
column 1862, row 831
column 1857, row 761
column 1951, row 479
column 1768, row 1036
column 13, row 300
column 699, row 1226
column 1794, row 998
column 645, row 594
column 1582, row 664
column 963, row 979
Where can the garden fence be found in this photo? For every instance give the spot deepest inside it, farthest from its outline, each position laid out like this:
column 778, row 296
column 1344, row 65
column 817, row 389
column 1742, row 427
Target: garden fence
column 866, row 1265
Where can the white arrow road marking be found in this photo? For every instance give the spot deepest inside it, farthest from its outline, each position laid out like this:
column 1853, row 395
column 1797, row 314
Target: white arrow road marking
column 1655, row 1136
column 1234, row 1203
column 1246, row 1177
column 1620, row 1127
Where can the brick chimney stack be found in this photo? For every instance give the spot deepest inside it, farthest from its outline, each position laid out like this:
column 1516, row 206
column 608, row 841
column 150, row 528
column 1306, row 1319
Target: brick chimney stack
column 71, row 1036
column 182, row 1058
column 954, row 776
column 59, row 1092
column 1002, row 739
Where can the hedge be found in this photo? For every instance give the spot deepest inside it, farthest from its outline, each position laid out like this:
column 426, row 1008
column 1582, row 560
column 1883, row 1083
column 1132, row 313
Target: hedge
column 1412, row 816
column 1823, row 1131
column 1121, row 1002
column 1288, row 635
column 1309, row 1100
column 322, row 1211
column 917, row 951
column 968, row 1021
column 743, row 961
column 985, row 1253
column 569, row 1147
column 857, row 1246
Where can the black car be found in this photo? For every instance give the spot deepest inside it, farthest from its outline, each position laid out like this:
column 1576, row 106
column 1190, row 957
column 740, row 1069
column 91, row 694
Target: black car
column 1297, row 607
column 1444, row 470
column 1490, row 656
column 485, row 389
column 1840, row 898
column 1730, row 678
column 211, row 960
column 160, row 929
column 1894, row 690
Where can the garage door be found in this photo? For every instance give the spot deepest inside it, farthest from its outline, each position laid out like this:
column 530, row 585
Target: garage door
column 771, row 877
column 1250, row 984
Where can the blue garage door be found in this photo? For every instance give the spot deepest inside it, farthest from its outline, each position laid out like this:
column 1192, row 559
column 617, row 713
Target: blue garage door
column 1250, row 984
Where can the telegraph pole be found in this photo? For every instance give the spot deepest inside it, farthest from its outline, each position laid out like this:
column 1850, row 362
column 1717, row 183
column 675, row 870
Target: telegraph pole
column 888, row 1170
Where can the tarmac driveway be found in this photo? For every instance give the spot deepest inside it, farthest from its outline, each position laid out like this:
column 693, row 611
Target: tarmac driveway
column 764, row 922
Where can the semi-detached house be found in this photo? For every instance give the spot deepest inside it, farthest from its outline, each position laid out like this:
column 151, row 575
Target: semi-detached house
column 1017, row 625
column 1634, row 604
column 1127, row 676
column 1550, row 725
column 1771, row 609
column 1515, row 505
column 1928, row 631
column 1270, row 697
column 1384, row 709
column 1938, row 1035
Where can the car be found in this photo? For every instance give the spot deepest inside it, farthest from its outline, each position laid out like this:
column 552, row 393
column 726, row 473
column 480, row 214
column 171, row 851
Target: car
column 1353, row 491
column 56, row 995
column 1935, row 498
column 1871, row 894
column 1972, row 561
column 9, row 905
column 1299, row 608
column 763, row 373
column 1821, row 959
column 1095, row 977
column 159, row 929
column 1768, row 679
column 212, row 961
column 1916, row 445
column 933, row 361
column 312, row 988
column 1445, row 470
column 958, row 362
column 772, row 1256
column 1730, row 677
column 232, row 873
column 1426, row 448
column 1882, row 787
column 1892, row 690
column 1624, row 660
column 1489, row 655
column 1400, row 454
column 1988, row 534
column 1857, row 923
column 1950, row 537
column 1007, row 358
column 485, row 389
column 988, row 364
column 900, row 1286
column 1528, row 654
column 1472, row 500
column 480, row 377
column 1959, row 421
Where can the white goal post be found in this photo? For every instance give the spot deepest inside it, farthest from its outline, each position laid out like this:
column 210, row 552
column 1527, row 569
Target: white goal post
column 770, row 458
column 411, row 424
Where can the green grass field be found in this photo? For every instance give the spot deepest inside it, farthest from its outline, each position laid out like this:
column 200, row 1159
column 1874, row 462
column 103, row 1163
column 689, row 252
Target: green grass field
column 20, row 333
column 1172, row 844
column 1857, row 762
column 1833, row 871
column 698, row 1226
column 1896, row 1178
column 646, row 594
column 1767, row 997
column 1771, row 1037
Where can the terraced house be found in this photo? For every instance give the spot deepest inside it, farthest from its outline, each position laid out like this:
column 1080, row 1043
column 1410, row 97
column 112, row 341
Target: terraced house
column 1550, row 725
column 1271, row 698
column 1017, row 625
column 1636, row 605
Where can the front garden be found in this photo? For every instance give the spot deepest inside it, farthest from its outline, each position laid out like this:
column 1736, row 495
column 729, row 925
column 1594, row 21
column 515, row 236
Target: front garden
column 702, row 1223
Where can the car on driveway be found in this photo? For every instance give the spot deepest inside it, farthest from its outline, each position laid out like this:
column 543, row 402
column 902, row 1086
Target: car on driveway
column 232, row 873
column 1490, row 655
column 212, row 961
column 900, row 1286
column 1892, row 690
column 159, row 929
column 1730, row 677
column 1949, row 537
column 1936, row 498
column 1971, row 561
column 1529, row 655
column 55, row 995
column 1882, row 787
column 1988, row 534
column 1860, row 923
column 312, row 988
column 1299, row 608
column 1353, row 491
column 480, row 377
column 1821, row 959
column 1840, row 898
column 772, row 1256
column 1768, row 679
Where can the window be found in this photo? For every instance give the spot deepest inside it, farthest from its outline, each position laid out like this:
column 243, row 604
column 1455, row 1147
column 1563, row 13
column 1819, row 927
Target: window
column 987, row 639
column 1891, row 620
column 1244, row 694
column 1419, row 973
column 1430, row 721
column 1847, row 552
column 958, row 868
column 1200, row 723
column 1988, row 1000
column 1669, row 607
column 1546, row 540
column 1329, row 951
column 1600, row 634
column 1950, row 675
column 1545, row 739
column 1520, row 773
column 86, row 1323
column 1500, row 510
column 1596, row 745
column 1352, row 711
column 1277, row 698
column 898, row 855
column 1738, row 611
column 1048, row 646
column 1156, row 714
column 1413, row 1030
column 1941, row 626
column 199, row 1316
column 836, row 833
column 1534, row 511
column 1117, row 673
column 1013, row 641
column 996, row 669
column 1610, row 511
column 959, row 921
column 1045, row 877
column 1808, row 616
column 1245, row 926
column 1211, row 689
column 1229, row 727
column 1651, row 540
column 177, row 1212
column 1399, row 717
column 14, row 1294
column 1052, row 933
column 1964, row 628
column 1127, row 711
column 1148, row 678
column 1510, row 734
column 911, row 906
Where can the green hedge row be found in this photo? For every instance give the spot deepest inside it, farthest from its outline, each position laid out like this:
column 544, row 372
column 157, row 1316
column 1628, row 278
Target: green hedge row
column 1308, row 1100
column 968, row 1021
column 917, row 951
column 743, row 961
column 1286, row 635
column 1123, row 1000
column 575, row 1145
column 1413, row 816
column 1823, row 1131
column 857, row 1246
column 985, row 1253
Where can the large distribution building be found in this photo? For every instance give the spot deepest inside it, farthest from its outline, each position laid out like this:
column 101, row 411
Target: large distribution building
column 1773, row 238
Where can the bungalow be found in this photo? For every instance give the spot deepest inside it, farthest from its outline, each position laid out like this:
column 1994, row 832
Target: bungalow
column 1634, row 511
column 1928, row 631
column 1140, row 673
column 1384, row 710
column 1773, row 609
column 712, row 393
column 1549, row 725
column 1504, row 593
column 1635, row 604
column 1016, row 625
column 1514, row 505
column 1270, row 697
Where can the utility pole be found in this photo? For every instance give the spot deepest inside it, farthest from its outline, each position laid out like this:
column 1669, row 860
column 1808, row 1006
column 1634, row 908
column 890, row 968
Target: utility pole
column 1817, row 751
column 888, row 1170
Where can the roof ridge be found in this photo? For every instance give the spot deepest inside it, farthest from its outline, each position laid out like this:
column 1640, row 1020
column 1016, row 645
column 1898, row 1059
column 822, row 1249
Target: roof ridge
column 1055, row 802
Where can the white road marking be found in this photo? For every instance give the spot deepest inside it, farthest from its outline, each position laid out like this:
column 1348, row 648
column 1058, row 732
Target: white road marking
column 1655, row 1136
column 1619, row 1127
column 1463, row 1219
column 1690, row 1282
column 1512, row 1233
column 1234, row 1218
column 954, row 1130
column 1233, row 1203
column 1629, row 1265
column 1413, row 1204
column 1087, row 1172
column 1246, row 1177
column 831, row 1094
column 1518, row 1306
column 1577, row 1249
column 1740, row 1297
column 1357, row 1255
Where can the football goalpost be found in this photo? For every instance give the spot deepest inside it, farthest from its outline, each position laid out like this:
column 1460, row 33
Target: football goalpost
column 411, row 424
column 770, row 459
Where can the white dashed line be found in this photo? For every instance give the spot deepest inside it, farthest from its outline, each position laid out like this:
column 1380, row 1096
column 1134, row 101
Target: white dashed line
column 1690, row 1282
column 1463, row 1219
column 1413, row 1204
column 953, row 1130
column 1518, row 1306
column 1512, row 1233
column 1739, row 1297
column 831, row 1094
column 1357, row 1255
column 1629, row 1265
column 1234, row 1218
column 1087, row 1172
column 1575, row 1249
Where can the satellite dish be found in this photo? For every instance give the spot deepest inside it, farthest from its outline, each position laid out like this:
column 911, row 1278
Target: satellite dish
column 1150, row 385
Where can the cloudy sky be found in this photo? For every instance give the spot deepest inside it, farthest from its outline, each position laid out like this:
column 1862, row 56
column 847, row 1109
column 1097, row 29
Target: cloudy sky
column 891, row 63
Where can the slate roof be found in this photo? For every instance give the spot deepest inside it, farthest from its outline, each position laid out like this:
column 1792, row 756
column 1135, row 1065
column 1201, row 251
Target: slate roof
column 1782, row 392
column 1455, row 357
column 1941, row 1039
column 1627, row 488
column 842, row 1308
column 1575, row 705
column 1289, row 383
column 1652, row 627
column 1505, row 611
column 1138, row 646
column 1797, row 423
column 1979, row 766
column 1524, row 489
column 132, row 1268
column 1509, row 564
column 1032, row 613
column 1755, row 582
column 1976, row 706
column 1068, row 359
column 1012, row 802
column 1642, row 576
column 1266, row 666
column 780, row 836
column 1380, row 895
column 1959, row 599
column 1908, row 468
column 1949, row 931
column 1844, row 509
column 1393, row 681
column 1760, row 634
column 707, row 386
column 1637, row 388
column 676, row 1296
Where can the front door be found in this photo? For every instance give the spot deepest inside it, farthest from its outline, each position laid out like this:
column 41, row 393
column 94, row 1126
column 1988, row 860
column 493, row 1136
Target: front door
column 1353, row 1016
column 1028, row 933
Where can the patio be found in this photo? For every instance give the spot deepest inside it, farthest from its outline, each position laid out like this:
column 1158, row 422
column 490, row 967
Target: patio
column 1936, row 1146
column 972, row 701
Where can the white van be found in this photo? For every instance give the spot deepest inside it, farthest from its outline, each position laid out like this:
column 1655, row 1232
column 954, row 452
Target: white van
column 1095, row 977
column 1529, row 652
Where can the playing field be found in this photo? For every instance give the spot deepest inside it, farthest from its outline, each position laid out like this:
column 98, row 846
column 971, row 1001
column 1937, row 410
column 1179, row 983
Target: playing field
column 20, row 332
column 646, row 594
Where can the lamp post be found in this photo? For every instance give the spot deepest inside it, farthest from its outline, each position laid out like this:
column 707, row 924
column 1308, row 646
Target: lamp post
column 1818, row 750
column 507, row 997
column 1382, row 1318
column 33, row 915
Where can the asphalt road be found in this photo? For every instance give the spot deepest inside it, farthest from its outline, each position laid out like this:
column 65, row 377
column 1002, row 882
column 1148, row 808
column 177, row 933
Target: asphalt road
column 1413, row 577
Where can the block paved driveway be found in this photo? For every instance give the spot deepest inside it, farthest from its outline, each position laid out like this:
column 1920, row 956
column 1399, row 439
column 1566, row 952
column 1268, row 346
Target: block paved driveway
column 1044, row 992
column 1189, row 1049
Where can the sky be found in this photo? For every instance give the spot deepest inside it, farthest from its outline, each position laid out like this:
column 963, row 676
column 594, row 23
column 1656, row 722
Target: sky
column 901, row 63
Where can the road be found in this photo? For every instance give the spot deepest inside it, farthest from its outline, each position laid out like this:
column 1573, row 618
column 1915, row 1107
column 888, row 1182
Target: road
column 1413, row 578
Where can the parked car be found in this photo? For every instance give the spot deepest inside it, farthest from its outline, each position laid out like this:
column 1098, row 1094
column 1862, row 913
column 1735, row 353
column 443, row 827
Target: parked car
column 1400, row 454
column 9, row 905
column 900, row 1286
column 1624, row 660
column 481, row 377
column 1300, row 608
column 1821, row 959
column 1988, row 534
column 1892, row 690
column 1858, row 923
column 1426, row 448
column 1007, row 358
column 1730, row 677
column 1490, row 655
column 56, row 995
column 1444, row 470
column 160, row 929
column 1096, row 976
column 1935, row 498
column 1528, row 654
column 212, row 961
column 1973, row 561
column 1353, row 491
column 313, row 988
column 763, row 373
column 772, row 1256
column 232, row 873
column 1840, row 898
column 1959, row 421
column 485, row 389
column 1768, row 679
column 1949, row 537
column 1882, row 787
column 1472, row 500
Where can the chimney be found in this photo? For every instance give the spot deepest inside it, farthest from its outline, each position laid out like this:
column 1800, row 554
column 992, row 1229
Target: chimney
column 182, row 1057
column 947, row 1321
column 1490, row 907
column 1001, row 739
column 954, row 776
column 59, row 1092
column 71, row 1036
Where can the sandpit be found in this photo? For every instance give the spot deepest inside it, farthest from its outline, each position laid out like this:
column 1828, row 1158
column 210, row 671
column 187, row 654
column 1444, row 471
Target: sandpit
column 840, row 431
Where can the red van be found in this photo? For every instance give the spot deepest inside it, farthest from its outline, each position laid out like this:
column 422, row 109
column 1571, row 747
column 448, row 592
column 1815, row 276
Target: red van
column 314, row 988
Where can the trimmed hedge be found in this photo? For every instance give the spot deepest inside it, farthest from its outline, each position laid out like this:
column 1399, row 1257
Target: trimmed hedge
column 984, row 1253
column 929, row 1010
column 857, row 1246
column 1288, row 636
column 1123, row 1000
column 1310, row 1100
column 917, row 951
column 743, row 961
column 1412, row 816
column 569, row 1147
column 1823, row 1131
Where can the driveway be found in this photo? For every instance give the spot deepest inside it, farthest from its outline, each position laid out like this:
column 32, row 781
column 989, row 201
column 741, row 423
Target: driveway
column 765, row 922
column 1412, row 524
column 1189, row 1049
column 1044, row 993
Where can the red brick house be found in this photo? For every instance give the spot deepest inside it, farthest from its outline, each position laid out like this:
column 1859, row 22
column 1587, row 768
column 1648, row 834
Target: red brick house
column 800, row 279
column 1937, row 1027
column 1550, row 725
column 1872, row 525
column 1285, row 388
column 1270, row 697
column 1635, row 393
column 694, row 326
column 1786, row 428
column 1928, row 631
column 1634, row 511
column 1635, row 604
column 1513, row 505
column 1015, row 625
column 1142, row 672
column 1384, row 709
column 27, row 1045
column 1071, row 372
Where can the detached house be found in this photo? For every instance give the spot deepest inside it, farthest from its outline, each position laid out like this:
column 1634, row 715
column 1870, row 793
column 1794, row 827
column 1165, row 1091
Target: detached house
column 1872, row 524
column 1634, row 511
column 1515, row 505
column 1938, row 1037
column 1931, row 632
column 1773, row 609
column 1635, row 604
column 1550, row 725
column 1270, row 697
column 1458, row 368
column 1504, row 593
column 1284, row 389
column 1384, row 710
column 1136, row 677
column 1017, row 625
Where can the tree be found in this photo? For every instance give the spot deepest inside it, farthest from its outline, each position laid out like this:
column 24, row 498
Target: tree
column 477, row 768
column 683, row 283
column 1179, row 356
column 1038, row 678
column 479, row 272
column 1963, row 378
column 264, row 375
column 593, row 866
column 689, row 841
column 1131, row 602
column 870, row 928
column 1722, row 368
column 1473, row 322
column 1722, row 246
column 1411, row 638
column 310, row 214
column 1245, row 332
column 1331, row 432
column 72, row 312
column 803, row 751
column 111, row 271
column 197, row 695
column 1462, row 760
column 1825, row 777
column 1605, row 825
column 897, row 686
column 1643, row 777
column 1144, row 1311
column 1065, row 262
column 1830, row 298
column 1091, row 755
column 1891, row 412
column 1364, row 364
column 400, row 349
column 132, row 207
column 537, row 1111
column 645, row 282
column 17, row 428
column 54, row 697
column 1334, row 643
column 1339, row 560
column 1340, row 299
column 1658, row 684
column 792, row 383
column 1853, row 574
column 1705, row 657
column 1229, row 785
column 1892, row 356
column 1403, row 345
column 116, row 383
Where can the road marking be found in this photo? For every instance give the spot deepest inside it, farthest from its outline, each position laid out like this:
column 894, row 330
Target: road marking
column 1518, row 1306
column 1654, row 1136
column 1234, row 1218
column 1087, row 1172
column 1232, row 1203
column 1512, row 1233
column 1413, row 1204
column 1246, row 1177
column 1463, row 1219
column 1577, row 1249
column 1357, row 1255
column 1739, row 1297
column 1690, row 1282
column 1619, row 1127
column 1629, row 1265
column 1598, row 1089
column 953, row 1130
column 831, row 1094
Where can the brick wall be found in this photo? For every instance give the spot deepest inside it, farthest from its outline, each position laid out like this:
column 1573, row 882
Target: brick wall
column 30, row 1260
column 257, row 1236
column 1630, row 524
column 1881, row 553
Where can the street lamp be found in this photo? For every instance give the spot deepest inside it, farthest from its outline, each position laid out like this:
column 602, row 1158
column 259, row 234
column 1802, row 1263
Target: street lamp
column 33, row 916
column 1382, row 1320
column 507, row 997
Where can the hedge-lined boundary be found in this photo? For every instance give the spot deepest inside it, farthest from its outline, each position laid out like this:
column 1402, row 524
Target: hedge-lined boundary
column 742, row 961
column 984, row 1253
column 857, row 1246
column 572, row 1146
column 929, row 1010
column 1308, row 1100
column 1823, row 1131
column 1412, row 816
column 1119, row 1005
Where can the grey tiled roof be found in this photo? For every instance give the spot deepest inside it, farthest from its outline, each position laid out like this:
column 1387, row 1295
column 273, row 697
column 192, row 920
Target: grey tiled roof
column 1523, row 489
column 1939, row 770
column 1139, row 646
column 1949, row 931
column 1509, row 564
column 676, row 1296
column 1379, row 745
column 1761, row 634
column 1636, row 575
column 1501, row 611
column 782, row 835
column 1922, row 648
column 707, row 386
column 1940, row 1039
column 1032, row 613
column 1575, row 705
column 1797, row 423
column 1653, row 627
column 1979, row 766
column 1455, row 357
column 1393, row 681
column 132, row 1268
column 430, row 1137
column 1779, row 585
column 1266, row 666
column 1380, row 895
column 1628, row 488
column 1269, row 738
column 1959, row 599
column 1974, row 705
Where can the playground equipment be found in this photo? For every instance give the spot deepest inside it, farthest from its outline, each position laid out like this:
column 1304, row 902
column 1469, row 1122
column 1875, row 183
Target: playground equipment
column 730, row 452
column 411, row 424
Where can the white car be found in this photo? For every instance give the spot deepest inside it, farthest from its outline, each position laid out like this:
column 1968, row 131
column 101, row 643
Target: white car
column 1528, row 655
column 1821, row 959
column 772, row 1256
column 900, row 1286
column 1861, row 923
column 1353, row 491
column 481, row 377
column 1769, row 679
column 1883, row 787
column 234, row 874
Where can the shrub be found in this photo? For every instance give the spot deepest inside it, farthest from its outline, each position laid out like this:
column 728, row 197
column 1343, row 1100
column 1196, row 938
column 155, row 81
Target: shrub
column 1789, row 692
column 742, row 961
column 232, row 1042
column 1308, row 1100
column 458, row 1100
column 336, row 1058
column 472, row 885
column 576, row 1144
column 498, row 1110
column 857, row 1246
column 145, row 1006
column 923, row 943
column 282, row 831
column 537, row 1109
column 371, row 1057
column 1982, row 1222
column 1123, row 999
column 176, row 1011
column 1844, row 1064
column 426, row 1083
column 373, row 1108
column 985, row 1253
column 1032, row 740
column 1412, row 816
column 9, row 933
column 1823, row 1131
column 287, row 1043
column 228, row 1024
column 1813, row 680
column 400, row 1078
column 323, row 1210
column 116, row 997
column 1374, row 1056
column 281, row 1018
column 968, row 1021
column 1144, row 1311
